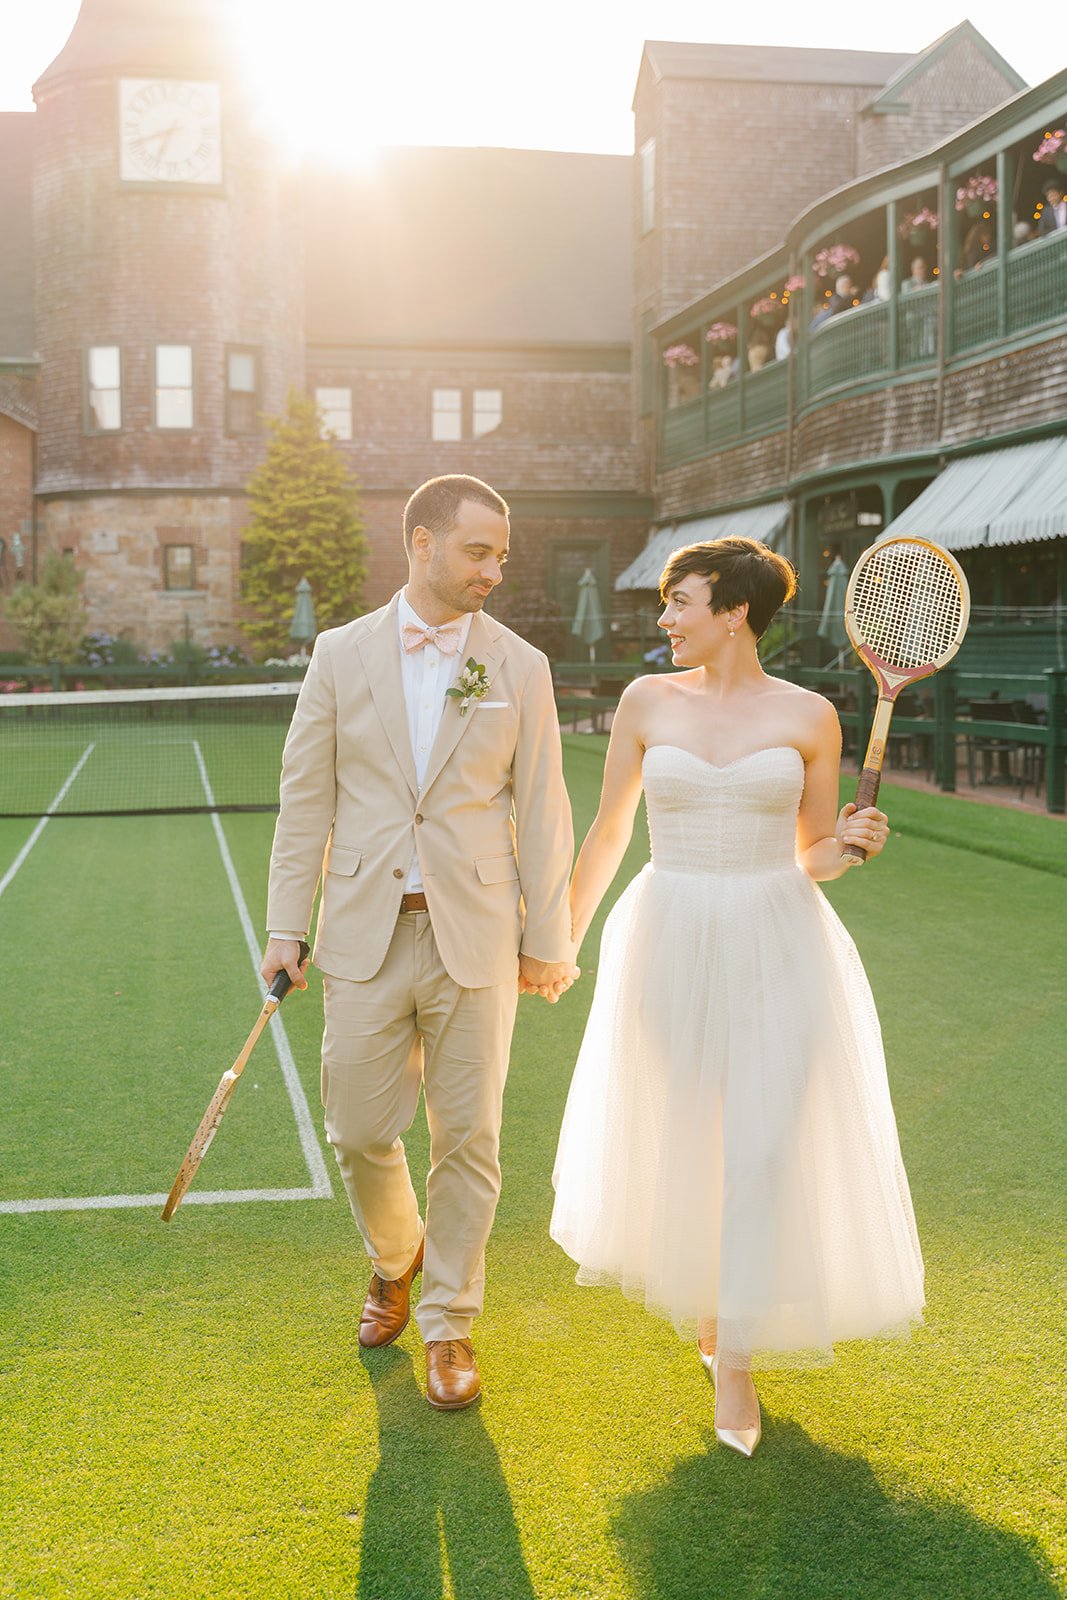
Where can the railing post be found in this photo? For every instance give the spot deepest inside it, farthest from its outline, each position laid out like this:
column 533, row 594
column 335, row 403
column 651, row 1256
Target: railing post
column 893, row 265
column 945, row 730
column 1057, row 743
column 1005, row 222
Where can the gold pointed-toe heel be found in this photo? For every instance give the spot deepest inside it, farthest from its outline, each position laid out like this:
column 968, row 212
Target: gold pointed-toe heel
column 743, row 1440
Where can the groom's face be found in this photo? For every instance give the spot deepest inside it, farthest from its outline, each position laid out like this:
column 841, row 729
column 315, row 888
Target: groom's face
column 466, row 563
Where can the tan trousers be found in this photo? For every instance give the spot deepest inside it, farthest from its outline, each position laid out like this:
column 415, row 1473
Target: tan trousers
column 410, row 1026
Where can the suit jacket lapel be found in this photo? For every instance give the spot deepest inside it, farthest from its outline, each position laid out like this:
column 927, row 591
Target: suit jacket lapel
column 380, row 653
column 486, row 644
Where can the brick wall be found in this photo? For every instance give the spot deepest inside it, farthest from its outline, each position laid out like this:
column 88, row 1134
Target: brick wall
column 1027, row 388
column 140, row 266
column 118, row 543
column 755, row 469
column 560, row 430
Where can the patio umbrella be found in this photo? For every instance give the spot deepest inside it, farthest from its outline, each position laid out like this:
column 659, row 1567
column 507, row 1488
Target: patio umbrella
column 832, row 622
column 588, row 624
column 302, row 629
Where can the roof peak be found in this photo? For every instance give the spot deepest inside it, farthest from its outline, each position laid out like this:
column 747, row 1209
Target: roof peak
column 153, row 37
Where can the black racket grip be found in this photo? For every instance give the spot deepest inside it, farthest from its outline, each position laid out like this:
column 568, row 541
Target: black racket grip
column 282, row 981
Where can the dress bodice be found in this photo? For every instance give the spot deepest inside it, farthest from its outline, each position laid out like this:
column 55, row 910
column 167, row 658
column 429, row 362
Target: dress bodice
column 741, row 818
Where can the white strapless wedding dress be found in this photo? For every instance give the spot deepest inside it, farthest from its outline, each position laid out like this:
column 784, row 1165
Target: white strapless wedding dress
column 729, row 1152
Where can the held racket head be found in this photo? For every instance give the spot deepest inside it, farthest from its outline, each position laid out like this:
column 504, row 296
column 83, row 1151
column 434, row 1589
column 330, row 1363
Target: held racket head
column 906, row 611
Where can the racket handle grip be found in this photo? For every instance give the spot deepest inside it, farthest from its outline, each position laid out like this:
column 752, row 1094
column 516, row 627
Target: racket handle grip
column 282, row 981
column 866, row 795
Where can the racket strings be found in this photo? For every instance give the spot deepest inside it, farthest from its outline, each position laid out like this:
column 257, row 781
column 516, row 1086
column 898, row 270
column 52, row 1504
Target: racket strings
column 908, row 605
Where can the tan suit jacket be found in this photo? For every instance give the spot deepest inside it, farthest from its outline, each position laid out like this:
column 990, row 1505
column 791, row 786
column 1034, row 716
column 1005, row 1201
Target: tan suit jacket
column 491, row 822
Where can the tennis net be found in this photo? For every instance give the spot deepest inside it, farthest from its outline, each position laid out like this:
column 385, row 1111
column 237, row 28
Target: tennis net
column 139, row 751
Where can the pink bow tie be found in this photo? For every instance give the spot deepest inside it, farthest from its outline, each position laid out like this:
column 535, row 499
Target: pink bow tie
column 446, row 638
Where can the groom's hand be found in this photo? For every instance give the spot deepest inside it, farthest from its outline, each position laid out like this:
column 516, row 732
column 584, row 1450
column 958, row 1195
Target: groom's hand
column 549, row 979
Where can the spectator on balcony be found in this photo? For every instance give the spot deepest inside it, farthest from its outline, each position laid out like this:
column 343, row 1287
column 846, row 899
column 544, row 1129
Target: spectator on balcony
column 785, row 338
column 1054, row 215
column 843, row 298
column 723, row 368
column 979, row 246
column 879, row 289
column 920, row 275
column 1022, row 232
column 759, row 351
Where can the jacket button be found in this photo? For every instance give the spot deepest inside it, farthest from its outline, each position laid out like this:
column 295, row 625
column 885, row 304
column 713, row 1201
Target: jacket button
column 398, row 872
column 418, row 816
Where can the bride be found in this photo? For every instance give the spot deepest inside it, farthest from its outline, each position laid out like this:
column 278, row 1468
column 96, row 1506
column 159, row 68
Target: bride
column 729, row 1152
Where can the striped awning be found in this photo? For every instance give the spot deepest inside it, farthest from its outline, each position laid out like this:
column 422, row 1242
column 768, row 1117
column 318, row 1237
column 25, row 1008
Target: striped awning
column 766, row 522
column 1013, row 496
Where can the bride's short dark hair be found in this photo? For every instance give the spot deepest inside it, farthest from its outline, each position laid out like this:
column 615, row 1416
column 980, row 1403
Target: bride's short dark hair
column 738, row 570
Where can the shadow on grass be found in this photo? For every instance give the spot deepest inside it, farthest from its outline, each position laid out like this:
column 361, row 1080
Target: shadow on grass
column 438, row 1494
column 801, row 1522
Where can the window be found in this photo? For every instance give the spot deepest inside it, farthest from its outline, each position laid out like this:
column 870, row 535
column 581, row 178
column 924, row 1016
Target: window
column 336, row 408
column 447, row 422
column 174, row 386
column 103, row 374
column 179, row 570
column 648, row 185
column 242, row 390
column 488, row 411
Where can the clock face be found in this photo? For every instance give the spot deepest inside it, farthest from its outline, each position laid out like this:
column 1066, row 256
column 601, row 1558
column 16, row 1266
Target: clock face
column 170, row 131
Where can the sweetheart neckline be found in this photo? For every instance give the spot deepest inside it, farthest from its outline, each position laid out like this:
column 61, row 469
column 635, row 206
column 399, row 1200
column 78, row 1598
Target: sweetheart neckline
column 767, row 750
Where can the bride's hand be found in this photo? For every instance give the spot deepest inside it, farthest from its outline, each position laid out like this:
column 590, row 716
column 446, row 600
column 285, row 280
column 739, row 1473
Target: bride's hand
column 868, row 828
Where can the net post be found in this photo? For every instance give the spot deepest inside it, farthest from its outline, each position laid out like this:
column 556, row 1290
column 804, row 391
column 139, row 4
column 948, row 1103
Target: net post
column 1057, row 737
column 945, row 730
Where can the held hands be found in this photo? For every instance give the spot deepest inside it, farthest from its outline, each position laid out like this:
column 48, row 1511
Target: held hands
column 868, row 828
column 283, row 953
column 549, row 979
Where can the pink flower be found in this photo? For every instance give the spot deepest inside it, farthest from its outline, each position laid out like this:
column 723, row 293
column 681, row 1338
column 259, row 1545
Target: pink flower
column 835, row 258
column 765, row 307
column 797, row 281
column 680, row 355
column 977, row 190
column 721, row 333
column 913, row 220
column 1051, row 146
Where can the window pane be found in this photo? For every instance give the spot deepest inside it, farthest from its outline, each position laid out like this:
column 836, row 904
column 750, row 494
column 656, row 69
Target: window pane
column 105, row 410
column 242, row 375
column 488, row 410
column 174, row 366
column 104, row 367
column 447, row 414
column 336, row 408
column 174, row 408
column 178, row 566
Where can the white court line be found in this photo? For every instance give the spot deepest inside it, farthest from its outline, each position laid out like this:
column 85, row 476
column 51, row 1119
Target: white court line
column 37, row 832
column 321, row 1188
column 123, row 1202
column 320, row 1177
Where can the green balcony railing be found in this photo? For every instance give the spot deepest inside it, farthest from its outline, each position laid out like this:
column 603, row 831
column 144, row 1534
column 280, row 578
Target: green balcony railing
column 852, row 346
column 917, row 326
column 683, row 431
column 974, row 301
column 765, row 398
column 1037, row 282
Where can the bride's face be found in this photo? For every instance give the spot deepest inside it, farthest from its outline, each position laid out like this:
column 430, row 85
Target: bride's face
column 695, row 632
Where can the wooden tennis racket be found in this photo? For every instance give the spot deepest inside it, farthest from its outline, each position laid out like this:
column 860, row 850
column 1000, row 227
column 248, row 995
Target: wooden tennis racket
column 221, row 1098
column 906, row 612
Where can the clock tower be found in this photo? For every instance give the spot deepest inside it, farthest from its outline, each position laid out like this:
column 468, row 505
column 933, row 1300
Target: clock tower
column 169, row 311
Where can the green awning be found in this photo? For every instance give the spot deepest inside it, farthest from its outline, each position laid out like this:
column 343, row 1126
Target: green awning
column 1013, row 496
column 766, row 522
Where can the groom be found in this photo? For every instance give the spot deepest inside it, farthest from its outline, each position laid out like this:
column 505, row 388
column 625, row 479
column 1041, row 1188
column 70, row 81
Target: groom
column 439, row 823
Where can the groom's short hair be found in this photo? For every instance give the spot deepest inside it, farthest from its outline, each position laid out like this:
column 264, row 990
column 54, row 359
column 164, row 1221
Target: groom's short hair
column 435, row 504
column 738, row 570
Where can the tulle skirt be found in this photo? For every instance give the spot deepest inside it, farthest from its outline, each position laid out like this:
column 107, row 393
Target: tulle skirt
column 729, row 1152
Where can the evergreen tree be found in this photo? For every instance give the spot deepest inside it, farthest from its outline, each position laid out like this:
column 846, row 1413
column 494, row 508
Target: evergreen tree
column 48, row 617
column 305, row 523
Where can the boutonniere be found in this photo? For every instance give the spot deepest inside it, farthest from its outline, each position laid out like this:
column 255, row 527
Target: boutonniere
column 472, row 684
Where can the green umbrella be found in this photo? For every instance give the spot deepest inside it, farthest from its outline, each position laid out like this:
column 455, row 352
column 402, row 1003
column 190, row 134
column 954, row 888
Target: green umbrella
column 303, row 628
column 588, row 624
column 832, row 623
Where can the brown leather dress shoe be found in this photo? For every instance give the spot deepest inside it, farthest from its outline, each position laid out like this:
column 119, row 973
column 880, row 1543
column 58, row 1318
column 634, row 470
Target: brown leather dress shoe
column 387, row 1308
column 452, row 1378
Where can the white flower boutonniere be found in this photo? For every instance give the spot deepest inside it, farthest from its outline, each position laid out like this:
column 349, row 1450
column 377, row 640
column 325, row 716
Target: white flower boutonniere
column 472, row 684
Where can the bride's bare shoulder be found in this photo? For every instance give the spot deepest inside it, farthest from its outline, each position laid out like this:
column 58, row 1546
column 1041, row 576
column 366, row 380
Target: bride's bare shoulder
column 656, row 685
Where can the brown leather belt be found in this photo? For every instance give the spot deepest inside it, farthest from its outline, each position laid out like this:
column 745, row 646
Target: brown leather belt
column 413, row 902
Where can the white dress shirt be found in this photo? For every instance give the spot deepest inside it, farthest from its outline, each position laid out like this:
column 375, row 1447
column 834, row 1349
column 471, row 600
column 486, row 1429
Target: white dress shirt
column 425, row 674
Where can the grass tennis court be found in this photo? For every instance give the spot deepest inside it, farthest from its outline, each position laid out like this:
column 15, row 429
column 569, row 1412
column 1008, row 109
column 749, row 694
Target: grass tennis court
column 185, row 1408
